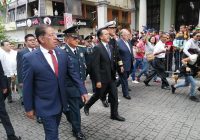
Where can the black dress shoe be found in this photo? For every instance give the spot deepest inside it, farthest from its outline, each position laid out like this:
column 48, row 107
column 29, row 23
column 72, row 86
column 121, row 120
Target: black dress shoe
column 39, row 120
column 194, row 98
column 13, row 137
column 86, row 110
column 127, row 97
column 118, row 118
column 146, row 84
column 166, row 87
column 79, row 136
column 198, row 88
column 105, row 103
column 173, row 89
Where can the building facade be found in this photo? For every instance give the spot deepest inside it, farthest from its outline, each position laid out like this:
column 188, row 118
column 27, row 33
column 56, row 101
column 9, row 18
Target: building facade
column 23, row 16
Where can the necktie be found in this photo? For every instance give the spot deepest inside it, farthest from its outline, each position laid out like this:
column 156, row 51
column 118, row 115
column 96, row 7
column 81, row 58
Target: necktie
column 55, row 63
column 108, row 50
column 75, row 52
column 33, row 49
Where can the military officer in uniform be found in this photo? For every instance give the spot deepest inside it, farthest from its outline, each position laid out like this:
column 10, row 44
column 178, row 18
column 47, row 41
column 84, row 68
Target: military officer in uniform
column 76, row 55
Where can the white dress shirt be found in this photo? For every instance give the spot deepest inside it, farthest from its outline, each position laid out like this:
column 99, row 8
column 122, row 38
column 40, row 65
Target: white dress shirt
column 9, row 62
column 47, row 55
column 72, row 49
column 191, row 44
column 159, row 47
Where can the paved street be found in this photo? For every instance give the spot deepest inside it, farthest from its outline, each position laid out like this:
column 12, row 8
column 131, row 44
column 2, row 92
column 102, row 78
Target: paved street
column 152, row 114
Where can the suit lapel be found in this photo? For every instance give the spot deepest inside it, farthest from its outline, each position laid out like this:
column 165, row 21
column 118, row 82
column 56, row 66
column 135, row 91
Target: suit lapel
column 43, row 60
column 126, row 47
column 69, row 51
column 105, row 51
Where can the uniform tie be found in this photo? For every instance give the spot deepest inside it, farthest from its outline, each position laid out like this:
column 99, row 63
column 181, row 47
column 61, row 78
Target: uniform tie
column 75, row 52
column 55, row 62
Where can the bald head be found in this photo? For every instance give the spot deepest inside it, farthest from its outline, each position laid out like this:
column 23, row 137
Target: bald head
column 125, row 34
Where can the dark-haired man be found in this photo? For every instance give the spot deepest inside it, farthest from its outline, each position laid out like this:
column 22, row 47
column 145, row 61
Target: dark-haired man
column 104, row 75
column 30, row 42
column 44, row 78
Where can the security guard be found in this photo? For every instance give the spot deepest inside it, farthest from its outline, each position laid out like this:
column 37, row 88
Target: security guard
column 76, row 55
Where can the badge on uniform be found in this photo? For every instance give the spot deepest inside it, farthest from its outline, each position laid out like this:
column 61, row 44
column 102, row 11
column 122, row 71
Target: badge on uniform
column 81, row 54
column 67, row 50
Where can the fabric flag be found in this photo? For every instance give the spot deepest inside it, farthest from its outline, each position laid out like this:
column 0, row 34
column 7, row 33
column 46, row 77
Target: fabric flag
column 68, row 20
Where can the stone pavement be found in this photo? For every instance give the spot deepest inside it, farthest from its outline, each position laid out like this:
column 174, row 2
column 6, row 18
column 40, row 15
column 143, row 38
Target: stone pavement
column 152, row 114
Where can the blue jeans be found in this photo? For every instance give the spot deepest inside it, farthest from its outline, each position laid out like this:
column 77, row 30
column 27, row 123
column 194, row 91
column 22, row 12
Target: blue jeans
column 145, row 67
column 188, row 80
column 138, row 63
column 50, row 124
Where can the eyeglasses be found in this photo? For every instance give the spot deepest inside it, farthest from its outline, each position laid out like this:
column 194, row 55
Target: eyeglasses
column 31, row 40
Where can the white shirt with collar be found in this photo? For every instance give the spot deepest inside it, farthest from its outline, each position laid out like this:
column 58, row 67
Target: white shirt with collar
column 47, row 56
column 31, row 49
column 191, row 44
column 160, row 46
column 127, row 44
column 9, row 62
column 72, row 49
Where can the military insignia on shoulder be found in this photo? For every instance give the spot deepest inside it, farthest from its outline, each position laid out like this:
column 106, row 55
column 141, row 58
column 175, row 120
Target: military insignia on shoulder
column 81, row 54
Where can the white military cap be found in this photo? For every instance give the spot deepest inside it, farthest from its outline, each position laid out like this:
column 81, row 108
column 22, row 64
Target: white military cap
column 111, row 24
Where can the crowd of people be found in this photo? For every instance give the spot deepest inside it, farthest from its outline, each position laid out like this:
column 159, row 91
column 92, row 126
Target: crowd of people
column 50, row 74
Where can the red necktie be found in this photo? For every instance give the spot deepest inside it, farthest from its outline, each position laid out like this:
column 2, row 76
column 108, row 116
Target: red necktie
column 55, row 62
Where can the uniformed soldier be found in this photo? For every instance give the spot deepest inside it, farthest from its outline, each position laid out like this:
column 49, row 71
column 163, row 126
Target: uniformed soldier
column 76, row 55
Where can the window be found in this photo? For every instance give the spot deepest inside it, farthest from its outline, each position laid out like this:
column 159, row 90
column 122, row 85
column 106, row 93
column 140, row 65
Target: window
column 21, row 12
column 90, row 12
column 58, row 8
column 32, row 6
column 115, row 14
column 11, row 15
column 187, row 12
column 125, row 17
column 153, row 14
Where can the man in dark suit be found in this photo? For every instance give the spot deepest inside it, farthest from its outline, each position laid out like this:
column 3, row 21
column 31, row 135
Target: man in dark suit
column 5, row 120
column 76, row 55
column 30, row 42
column 126, row 53
column 117, row 61
column 44, row 79
column 104, row 75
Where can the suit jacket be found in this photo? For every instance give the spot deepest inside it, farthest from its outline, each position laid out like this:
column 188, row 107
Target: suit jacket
column 126, row 55
column 3, row 79
column 19, row 63
column 42, row 90
column 102, row 65
column 78, row 61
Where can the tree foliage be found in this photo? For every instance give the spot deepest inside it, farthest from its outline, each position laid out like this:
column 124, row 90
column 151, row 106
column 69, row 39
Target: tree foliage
column 2, row 31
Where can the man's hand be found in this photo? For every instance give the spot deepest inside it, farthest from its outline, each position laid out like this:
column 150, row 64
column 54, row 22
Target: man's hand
column 98, row 85
column 30, row 114
column 85, row 98
column 188, row 69
column 5, row 91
